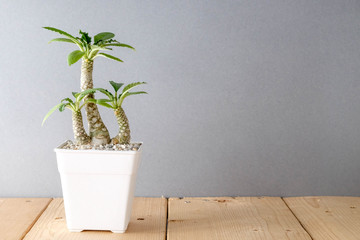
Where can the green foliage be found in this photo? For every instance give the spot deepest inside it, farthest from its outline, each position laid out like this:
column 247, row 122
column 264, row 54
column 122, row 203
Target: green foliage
column 51, row 111
column 75, row 56
column 97, row 48
column 103, row 36
column 61, row 40
column 102, row 102
column 110, row 57
column 85, row 37
column 72, row 105
column 119, row 45
column 126, row 93
column 62, row 107
column 106, row 92
column 83, row 94
column 67, row 99
column 134, row 93
column 115, row 85
column 87, row 50
column 131, row 86
column 115, row 101
column 61, row 32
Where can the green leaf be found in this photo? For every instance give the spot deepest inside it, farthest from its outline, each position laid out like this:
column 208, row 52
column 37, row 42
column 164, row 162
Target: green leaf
column 131, row 86
column 103, row 36
column 59, row 31
column 106, row 105
column 92, row 54
column 103, row 100
column 98, row 48
column 90, row 100
column 67, row 99
column 103, row 103
column 115, row 85
column 51, row 111
column 95, row 49
column 119, row 45
column 84, row 94
column 62, row 40
column 85, row 37
column 106, row 92
column 109, row 56
column 75, row 94
column 65, row 34
column 75, row 56
column 62, row 107
column 123, row 96
column 126, row 89
column 135, row 93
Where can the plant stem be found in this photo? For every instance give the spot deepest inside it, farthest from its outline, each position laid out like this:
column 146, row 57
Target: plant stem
column 123, row 136
column 80, row 134
column 98, row 132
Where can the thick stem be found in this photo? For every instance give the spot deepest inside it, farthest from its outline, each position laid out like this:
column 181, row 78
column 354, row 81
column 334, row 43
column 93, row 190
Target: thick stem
column 80, row 134
column 123, row 136
column 97, row 129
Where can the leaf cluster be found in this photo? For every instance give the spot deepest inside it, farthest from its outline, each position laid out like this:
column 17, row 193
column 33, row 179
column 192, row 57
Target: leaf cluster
column 74, row 105
column 87, row 49
column 115, row 100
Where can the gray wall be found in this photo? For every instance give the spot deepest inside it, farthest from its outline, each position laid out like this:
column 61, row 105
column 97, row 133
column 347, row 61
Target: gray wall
column 246, row 97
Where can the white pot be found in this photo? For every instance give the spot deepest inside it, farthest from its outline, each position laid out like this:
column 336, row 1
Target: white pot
column 98, row 187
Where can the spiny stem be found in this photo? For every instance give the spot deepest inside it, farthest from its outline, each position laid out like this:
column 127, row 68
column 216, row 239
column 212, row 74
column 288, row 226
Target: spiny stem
column 123, row 136
column 97, row 130
column 80, row 134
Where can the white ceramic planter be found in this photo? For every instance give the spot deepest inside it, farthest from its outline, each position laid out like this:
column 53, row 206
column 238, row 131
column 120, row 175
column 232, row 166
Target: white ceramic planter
column 98, row 187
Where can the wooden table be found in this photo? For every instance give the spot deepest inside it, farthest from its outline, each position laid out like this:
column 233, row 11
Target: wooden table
column 326, row 218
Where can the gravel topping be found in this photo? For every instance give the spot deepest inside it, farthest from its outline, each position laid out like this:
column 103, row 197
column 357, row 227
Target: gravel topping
column 106, row 147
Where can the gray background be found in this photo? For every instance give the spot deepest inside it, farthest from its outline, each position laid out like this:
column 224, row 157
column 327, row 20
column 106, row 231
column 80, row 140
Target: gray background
column 246, row 97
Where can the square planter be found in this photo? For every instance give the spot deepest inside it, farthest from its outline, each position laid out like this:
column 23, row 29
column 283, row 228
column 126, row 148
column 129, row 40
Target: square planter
column 98, row 187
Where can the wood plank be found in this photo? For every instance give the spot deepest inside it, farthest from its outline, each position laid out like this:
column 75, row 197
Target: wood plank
column 148, row 221
column 232, row 218
column 328, row 218
column 17, row 215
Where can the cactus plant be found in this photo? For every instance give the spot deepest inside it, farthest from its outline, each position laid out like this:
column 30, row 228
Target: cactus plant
column 114, row 101
column 88, row 51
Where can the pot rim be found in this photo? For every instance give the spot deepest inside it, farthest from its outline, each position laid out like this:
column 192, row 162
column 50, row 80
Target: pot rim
column 59, row 149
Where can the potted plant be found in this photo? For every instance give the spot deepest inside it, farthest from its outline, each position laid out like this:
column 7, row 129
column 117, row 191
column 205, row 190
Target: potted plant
column 98, row 174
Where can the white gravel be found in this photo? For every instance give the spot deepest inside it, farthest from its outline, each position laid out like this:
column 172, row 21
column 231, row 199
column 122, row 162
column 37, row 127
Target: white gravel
column 106, row 147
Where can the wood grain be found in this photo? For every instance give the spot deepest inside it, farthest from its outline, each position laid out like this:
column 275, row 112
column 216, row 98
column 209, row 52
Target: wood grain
column 148, row 221
column 328, row 218
column 17, row 215
column 232, row 218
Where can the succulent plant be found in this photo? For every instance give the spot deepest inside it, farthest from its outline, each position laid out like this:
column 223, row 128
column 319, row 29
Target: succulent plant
column 80, row 135
column 114, row 101
column 89, row 50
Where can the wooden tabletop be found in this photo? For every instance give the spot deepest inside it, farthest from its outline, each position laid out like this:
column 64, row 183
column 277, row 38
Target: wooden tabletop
column 318, row 218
